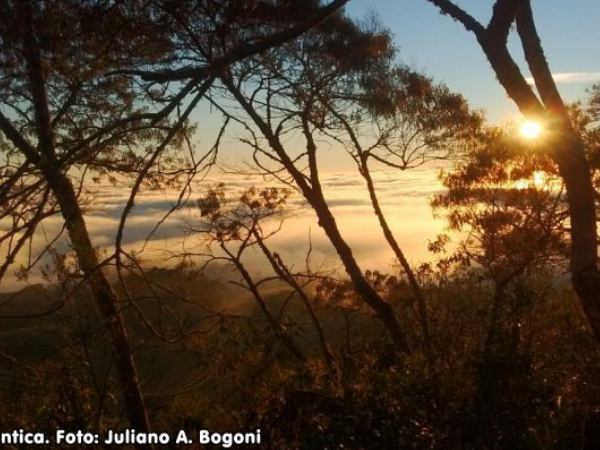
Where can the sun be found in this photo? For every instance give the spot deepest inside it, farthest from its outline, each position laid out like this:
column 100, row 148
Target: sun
column 530, row 129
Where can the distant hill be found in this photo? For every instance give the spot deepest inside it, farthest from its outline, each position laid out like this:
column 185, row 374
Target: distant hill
column 37, row 324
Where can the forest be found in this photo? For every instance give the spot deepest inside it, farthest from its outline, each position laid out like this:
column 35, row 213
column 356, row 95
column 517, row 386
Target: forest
column 201, row 233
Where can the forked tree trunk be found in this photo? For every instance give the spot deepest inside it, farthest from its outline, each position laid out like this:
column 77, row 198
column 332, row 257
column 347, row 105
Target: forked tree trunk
column 565, row 145
column 362, row 161
column 313, row 194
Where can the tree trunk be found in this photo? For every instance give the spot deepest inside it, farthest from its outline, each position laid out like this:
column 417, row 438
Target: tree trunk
column 565, row 144
column 314, row 195
column 106, row 298
column 412, row 279
column 362, row 161
column 384, row 310
column 574, row 169
column 44, row 157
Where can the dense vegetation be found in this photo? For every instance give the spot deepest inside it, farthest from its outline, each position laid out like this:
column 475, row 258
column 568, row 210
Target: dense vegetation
column 484, row 347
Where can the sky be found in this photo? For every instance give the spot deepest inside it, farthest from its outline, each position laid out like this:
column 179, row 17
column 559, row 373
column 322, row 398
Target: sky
column 443, row 49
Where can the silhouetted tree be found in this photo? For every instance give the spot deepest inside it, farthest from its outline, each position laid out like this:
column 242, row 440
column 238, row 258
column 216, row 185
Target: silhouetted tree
column 271, row 93
column 60, row 120
column 563, row 143
column 238, row 228
column 340, row 84
column 69, row 108
column 401, row 121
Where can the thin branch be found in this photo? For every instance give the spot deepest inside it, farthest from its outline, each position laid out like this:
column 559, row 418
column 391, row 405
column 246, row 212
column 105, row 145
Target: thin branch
column 460, row 15
column 239, row 53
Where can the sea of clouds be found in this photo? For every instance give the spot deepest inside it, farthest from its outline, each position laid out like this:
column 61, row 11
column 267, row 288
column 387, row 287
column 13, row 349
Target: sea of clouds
column 405, row 198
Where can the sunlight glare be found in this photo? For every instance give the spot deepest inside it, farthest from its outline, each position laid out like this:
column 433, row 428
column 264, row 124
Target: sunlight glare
column 530, row 129
column 539, row 179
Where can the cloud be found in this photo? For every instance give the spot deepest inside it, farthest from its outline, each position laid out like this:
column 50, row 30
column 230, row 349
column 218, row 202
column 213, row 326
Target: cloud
column 348, row 202
column 404, row 198
column 572, row 77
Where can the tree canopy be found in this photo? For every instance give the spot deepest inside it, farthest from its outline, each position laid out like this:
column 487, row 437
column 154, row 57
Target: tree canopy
column 475, row 348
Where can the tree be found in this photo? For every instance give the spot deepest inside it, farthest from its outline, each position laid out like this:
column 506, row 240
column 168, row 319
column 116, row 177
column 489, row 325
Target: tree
column 52, row 108
column 339, row 84
column 246, row 225
column 277, row 95
column 236, row 229
column 401, row 121
column 70, row 108
column 564, row 144
column 508, row 200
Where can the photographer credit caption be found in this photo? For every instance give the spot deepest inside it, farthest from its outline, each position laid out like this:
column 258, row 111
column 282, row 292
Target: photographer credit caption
column 128, row 437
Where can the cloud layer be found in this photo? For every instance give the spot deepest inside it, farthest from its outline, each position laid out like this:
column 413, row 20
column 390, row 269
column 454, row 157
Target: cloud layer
column 403, row 196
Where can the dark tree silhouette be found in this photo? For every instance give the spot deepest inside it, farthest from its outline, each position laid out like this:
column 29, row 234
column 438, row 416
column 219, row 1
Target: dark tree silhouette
column 340, row 83
column 58, row 119
column 270, row 119
column 235, row 229
column 509, row 201
column 564, row 142
column 400, row 122
column 70, row 108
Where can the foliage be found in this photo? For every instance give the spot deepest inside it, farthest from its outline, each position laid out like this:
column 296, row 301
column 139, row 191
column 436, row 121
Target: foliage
column 508, row 361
